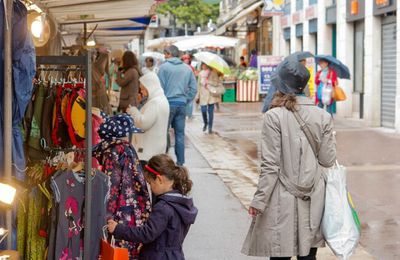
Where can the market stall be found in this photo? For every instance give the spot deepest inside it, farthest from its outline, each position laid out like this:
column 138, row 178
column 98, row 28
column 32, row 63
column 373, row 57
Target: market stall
column 247, row 87
column 47, row 135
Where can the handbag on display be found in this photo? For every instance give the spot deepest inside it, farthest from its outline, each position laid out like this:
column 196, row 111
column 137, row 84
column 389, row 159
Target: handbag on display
column 109, row 251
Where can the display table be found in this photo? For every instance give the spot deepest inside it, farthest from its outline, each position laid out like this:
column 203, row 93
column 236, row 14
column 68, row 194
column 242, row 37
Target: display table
column 247, row 91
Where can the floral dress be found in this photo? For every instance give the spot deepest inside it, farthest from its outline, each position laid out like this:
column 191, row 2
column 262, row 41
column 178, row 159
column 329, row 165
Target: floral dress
column 129, row 201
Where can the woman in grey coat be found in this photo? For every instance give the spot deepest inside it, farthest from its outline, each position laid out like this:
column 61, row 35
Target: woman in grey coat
column 288, row 205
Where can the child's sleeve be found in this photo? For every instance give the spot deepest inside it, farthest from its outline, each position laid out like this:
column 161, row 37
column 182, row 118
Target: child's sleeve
column 147, row 233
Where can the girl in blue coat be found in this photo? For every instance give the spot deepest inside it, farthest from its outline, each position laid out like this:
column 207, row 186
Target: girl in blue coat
column 172, row 213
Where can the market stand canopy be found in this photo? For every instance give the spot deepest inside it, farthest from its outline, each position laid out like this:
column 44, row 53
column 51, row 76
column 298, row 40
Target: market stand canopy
column 206, row 41
column 118, row 22
column 187, row 43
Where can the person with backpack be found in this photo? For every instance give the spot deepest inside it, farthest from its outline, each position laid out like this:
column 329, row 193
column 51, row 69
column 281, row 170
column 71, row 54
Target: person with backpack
column 297, row 143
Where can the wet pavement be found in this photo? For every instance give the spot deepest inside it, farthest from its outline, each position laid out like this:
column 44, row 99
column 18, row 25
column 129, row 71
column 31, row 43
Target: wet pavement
column 371, row 156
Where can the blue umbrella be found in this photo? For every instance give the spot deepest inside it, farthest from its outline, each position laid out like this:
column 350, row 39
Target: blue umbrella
column 341, row 70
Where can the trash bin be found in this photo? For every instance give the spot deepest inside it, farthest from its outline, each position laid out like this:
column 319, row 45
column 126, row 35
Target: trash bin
column 230, row 92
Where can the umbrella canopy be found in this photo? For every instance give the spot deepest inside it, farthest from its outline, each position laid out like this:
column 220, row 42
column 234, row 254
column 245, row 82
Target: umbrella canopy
column 155, row 55
column 214, row 61
column 206, row 41
column 299, row 55
column 342, row 70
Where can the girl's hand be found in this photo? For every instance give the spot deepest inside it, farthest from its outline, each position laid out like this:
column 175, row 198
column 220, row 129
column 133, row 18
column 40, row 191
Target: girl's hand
column 111, row 225
column 254, row 212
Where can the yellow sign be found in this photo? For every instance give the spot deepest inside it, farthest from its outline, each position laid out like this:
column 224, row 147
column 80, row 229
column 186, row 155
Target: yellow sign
column 278, row 2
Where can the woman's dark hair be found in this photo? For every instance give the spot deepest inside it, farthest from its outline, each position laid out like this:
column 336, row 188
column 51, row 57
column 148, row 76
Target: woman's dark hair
column 163, row 164
column 254, row 52
column 150, row 59
column 241, row 57
column 288, row 101
column 129, row 60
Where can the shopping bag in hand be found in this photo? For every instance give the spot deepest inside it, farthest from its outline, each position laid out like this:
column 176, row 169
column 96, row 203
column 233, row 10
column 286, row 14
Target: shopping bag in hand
column 109, row 251
column 340, row 223
column 338, row 94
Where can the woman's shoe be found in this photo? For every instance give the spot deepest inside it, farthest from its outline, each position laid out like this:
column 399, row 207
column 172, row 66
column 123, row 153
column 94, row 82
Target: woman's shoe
column 205, row 127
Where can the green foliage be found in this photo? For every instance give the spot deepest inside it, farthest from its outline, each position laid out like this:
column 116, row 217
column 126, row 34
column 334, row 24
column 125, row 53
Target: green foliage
column 191, row 12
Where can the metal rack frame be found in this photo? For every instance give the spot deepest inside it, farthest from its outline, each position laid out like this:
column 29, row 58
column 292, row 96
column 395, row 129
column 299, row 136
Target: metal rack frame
column 84, row 61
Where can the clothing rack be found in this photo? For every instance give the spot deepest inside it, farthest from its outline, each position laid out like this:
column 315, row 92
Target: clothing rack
column 85, row 62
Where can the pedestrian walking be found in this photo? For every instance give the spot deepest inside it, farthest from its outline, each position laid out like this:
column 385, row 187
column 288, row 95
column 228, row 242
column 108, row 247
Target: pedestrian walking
column 180, row 88
column 149, row 66
column 172, row 215
column 325, row 80
column 288, row 205
column 243, row 64
column 189, row 107
column 128, row 80
column 99, row 95
column 152, row 118
column 208, row 79
column 253, row 59
column 299, row 56
column 114, row 89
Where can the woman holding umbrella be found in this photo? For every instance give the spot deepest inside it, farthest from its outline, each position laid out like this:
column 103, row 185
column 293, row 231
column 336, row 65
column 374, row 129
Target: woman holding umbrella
column 326, row 80
column 209, row 91
column 325, row 77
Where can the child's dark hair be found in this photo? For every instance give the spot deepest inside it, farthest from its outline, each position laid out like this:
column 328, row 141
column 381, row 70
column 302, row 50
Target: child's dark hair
column 163, row 164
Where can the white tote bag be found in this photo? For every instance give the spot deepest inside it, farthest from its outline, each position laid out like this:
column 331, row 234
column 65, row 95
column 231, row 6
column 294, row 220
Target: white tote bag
column 340, row 223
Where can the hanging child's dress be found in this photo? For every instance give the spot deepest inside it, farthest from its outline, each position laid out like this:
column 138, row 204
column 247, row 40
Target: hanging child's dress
column 129, row 201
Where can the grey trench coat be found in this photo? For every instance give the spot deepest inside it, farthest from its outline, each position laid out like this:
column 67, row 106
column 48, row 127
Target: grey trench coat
column 287, row 225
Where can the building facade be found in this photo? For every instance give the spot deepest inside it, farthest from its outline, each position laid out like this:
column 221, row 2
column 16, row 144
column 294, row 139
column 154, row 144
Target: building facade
column 360, row 33
column 242, row 19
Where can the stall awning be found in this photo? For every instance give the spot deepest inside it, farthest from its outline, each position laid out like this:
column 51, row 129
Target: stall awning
column 234, row 18
column 111, row 18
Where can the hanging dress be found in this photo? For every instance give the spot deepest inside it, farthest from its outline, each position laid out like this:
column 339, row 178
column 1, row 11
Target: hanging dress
column 129, row 201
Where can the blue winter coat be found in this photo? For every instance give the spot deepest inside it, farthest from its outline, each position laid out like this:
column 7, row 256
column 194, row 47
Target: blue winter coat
column 178, row 82
column 165, row 230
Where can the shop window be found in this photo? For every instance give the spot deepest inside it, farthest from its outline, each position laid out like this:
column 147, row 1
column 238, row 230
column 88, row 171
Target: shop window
column 265, row 39
column 312, row 2
column 286, row 33
column 299, row 5
column 287, row 9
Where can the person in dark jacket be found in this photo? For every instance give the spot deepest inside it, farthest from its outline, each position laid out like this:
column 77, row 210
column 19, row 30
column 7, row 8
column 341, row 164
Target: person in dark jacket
column 172, row 214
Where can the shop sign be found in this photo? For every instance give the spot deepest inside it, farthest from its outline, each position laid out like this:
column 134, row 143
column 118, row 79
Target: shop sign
column 273, row 8
column 266, row 67
column 297, row 18
column 154, row 22
column 310, row 65
column 382, row 3
column 311, row 12
column 285, row 21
